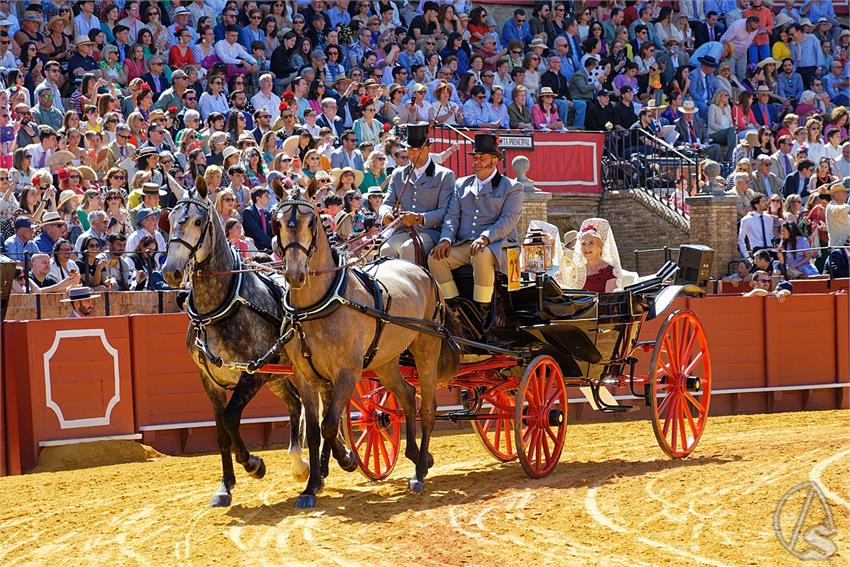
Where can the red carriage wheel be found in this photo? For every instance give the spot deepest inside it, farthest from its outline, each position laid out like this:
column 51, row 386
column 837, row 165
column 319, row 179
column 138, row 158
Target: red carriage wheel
column 496, row 432
column 680, row 384
column 372, row 429
column 540, row 416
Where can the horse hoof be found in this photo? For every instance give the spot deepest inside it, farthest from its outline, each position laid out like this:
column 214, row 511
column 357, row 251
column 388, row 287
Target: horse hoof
column 221, row 500
column 349, row 463
column 416, row 486
column 258, row 467
column 305, row 501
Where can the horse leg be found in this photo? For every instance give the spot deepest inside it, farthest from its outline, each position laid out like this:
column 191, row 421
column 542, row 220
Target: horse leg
column 334, row 401
column 307, row 499
column 218, row 398
column 427, row 367
column 285, row 390
column 390, row 376
column 246, row 389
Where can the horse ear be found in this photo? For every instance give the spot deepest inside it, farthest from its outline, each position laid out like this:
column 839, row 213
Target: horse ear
column 201, row 187
column 312, row 188
column 277, row 188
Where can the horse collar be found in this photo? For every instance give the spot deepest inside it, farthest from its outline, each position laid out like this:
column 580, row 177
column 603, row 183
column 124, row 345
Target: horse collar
column 325, row 306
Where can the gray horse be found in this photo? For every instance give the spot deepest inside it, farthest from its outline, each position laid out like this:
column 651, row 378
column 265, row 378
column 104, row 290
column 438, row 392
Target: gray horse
column 235, row 317
column 337, row 341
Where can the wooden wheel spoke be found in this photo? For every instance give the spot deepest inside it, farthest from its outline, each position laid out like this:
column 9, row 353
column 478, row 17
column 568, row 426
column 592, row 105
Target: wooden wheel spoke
column 370, row 445
column 690, row 397
column 673, row 416
column 361, row 407
column 551, row 434
column 498, row 435
column 672, row 359
column 359, row 442
column 663, row 406
column 670, row 402
column 547, row 452
column 526, row 435
column 509, row 425
column 485, row 427
column 681, row 417
column 386, row 435
column 693, row 363
column 384, row 455
column 686, row 352
column 690, row 417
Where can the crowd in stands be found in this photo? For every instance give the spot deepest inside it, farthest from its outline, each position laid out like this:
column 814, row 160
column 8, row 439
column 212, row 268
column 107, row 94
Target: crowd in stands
column 111, row 111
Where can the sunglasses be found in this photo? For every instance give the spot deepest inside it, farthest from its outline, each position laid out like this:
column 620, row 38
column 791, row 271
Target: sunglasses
column 229, row 199
column 73, row 176
column 4, row 179
column 121, row 178
column 123, row 137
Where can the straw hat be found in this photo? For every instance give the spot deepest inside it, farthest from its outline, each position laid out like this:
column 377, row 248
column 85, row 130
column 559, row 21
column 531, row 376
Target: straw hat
column 51, row 217
column 87, row 173
column 336, row 175
column 67, row 195
column 688, row 107
column 60, row 158
column 344, row 224
column 228, row 151
column 290, row 146
column 841, row 185
column 54, row 20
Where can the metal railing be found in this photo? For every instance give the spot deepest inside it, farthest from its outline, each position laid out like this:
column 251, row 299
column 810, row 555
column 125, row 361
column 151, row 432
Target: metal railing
column 450, row 136
column 636, row 160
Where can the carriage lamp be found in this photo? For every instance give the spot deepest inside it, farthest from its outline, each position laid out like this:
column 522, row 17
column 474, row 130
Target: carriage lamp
column 537, row 250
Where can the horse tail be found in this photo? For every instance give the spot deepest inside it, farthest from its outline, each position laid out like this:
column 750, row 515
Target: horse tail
column 449, row 359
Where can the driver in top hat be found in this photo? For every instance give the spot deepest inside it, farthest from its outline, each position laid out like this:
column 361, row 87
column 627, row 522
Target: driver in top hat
column 424, row 201
column 483, row 214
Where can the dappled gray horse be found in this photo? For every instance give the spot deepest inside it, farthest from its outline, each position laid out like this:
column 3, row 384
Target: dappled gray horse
column 337, row 340
column 235, row 316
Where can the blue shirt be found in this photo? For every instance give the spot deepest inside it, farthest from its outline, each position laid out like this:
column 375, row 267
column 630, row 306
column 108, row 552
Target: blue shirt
column 807, row 53
column 474, row 114
column 713, row 48
column 44, row 243
column 511, row 31
column 247, row 37
column 338, row 16
column 822, row 9
column 720, row 6
column 16, row 248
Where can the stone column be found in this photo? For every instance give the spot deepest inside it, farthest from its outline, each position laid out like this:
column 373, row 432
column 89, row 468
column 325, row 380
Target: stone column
column 713, row 223
column 535, row 203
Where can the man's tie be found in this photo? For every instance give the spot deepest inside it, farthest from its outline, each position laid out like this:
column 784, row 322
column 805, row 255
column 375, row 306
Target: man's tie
column 41, row 160
column 710, row 33
column 787, row 164
column 263, row 220
column 765, row 241
column 691, row 132
column 767, row 188
column 764, row 115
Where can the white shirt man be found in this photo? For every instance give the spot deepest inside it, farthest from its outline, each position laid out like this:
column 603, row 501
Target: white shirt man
column 231, row 52
column 266, row 99
column 756, row 228
column 838, row 214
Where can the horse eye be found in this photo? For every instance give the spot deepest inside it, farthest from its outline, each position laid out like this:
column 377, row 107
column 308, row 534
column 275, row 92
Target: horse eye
column 197, row 222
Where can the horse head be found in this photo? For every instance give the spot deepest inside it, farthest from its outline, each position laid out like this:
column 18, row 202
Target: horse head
column 298, row 229
column 190, row 241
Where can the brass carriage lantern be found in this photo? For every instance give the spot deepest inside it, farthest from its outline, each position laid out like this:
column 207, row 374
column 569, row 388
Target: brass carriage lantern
column 537, row 251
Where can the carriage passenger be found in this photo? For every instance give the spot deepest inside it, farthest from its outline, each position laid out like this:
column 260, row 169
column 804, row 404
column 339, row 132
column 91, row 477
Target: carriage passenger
column 421, row 192
column 594, row 265
column 483, row 214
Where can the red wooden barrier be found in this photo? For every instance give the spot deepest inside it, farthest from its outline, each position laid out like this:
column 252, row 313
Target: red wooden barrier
column 3, row 467
column 66, row 379
column 172, row 410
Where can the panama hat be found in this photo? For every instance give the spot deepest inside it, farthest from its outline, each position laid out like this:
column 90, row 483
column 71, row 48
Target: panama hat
column 336, row 175
column 688, row 107
column 87, row 173
column 290, row 146
column 60, row 158
column 79, row 294
column 842, row 185
column 546, row 91
column 374, row 190
column 344, row 224
column 153, row 189
column 228, row 151
column 67, row 195
column 144, row 213
column 51, row 217
column 82, row 40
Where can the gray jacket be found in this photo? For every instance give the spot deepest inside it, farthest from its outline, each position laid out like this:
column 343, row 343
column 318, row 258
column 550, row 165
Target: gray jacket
column 429, row 195
column 493, row 212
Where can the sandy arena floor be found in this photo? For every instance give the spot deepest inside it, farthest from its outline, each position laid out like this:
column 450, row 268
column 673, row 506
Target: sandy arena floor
column 615, row 499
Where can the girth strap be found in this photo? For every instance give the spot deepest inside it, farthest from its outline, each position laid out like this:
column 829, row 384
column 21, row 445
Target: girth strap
column 374, row 287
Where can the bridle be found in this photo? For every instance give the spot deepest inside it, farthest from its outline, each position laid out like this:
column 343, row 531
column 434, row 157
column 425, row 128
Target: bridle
column 193, row 248
column 291, row 224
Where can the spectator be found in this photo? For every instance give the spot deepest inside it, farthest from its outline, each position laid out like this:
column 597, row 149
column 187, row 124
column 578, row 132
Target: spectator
column 721, row 130
column 764, row 181
column 838, row 214
column 793, row 252
column 823, row 175
column 747, row 202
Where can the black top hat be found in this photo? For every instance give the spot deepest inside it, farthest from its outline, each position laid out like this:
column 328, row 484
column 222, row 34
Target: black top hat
column 416, row 135
column 486, row 144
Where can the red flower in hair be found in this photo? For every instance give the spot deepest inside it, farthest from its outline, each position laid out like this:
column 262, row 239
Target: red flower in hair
column 34, row 180
column 173, row 110
column 288, row 95
column 590, row 227
column 387, row 127
column 365, row 100
column 283, row 106
column 144, row 87
column 63, row 174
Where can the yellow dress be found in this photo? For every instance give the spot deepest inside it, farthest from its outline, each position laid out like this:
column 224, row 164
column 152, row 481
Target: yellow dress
column 780, row 51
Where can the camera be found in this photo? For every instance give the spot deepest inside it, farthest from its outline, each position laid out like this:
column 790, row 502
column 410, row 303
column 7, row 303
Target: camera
column 281, row 135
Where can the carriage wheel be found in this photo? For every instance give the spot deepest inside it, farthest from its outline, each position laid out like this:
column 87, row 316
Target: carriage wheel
column 373, row 428
column 540, row 416
column 680, row 384
column 496, row 432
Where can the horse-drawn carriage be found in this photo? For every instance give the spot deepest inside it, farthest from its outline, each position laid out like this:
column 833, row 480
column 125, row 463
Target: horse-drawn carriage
column 537, row 341
column 362, row 346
